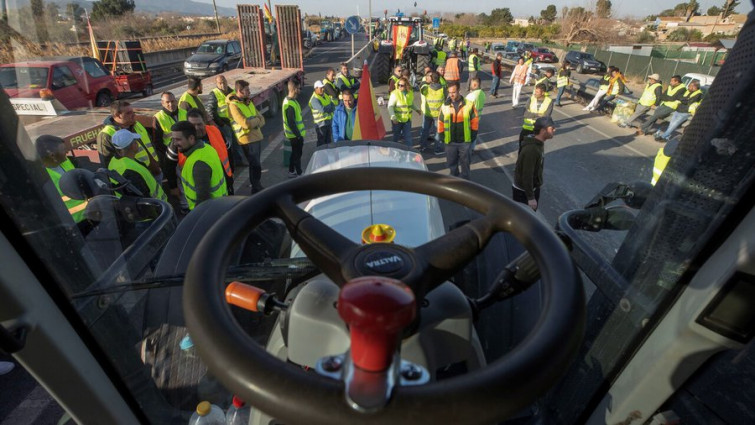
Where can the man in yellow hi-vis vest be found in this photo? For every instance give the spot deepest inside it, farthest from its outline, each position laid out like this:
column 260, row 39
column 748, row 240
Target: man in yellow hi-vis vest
column 293, row 128
column 202, row 174
column 52, row 153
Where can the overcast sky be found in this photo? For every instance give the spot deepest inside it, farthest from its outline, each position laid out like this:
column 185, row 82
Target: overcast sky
column 521, row 8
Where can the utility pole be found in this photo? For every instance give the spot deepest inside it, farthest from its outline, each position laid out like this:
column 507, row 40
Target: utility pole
column 369, row 21
column 217, row 21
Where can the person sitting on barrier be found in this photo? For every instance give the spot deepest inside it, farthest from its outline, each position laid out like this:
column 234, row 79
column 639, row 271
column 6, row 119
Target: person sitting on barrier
column 602, row 90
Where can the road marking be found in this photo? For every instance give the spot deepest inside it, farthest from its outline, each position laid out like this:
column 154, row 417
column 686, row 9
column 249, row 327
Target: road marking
column 617, row 142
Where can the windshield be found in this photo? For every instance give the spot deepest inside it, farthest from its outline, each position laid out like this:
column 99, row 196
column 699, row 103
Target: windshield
column 105, row 206
column 216, row 48
column 23, row 77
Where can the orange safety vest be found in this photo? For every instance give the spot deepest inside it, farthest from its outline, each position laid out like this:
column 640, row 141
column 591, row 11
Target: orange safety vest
column 452, row 69
column 520, row 73
column 218, row 143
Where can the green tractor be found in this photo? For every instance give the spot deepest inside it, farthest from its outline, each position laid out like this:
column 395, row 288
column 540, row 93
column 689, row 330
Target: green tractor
column 415, row 56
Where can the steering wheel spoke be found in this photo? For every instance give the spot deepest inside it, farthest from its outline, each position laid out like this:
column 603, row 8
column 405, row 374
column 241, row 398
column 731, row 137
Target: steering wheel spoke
column 323, row 245
column 445, row 256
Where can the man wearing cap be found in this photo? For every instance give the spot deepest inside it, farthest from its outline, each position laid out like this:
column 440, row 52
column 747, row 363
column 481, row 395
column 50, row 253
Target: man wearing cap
column 122, row 116
column 322, row 113
column 124, row 163
column 651, row 96
column 202, row 174
column 528, row 174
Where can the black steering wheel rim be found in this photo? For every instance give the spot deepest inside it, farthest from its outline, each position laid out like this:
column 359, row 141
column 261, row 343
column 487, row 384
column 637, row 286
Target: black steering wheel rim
column 283, row 391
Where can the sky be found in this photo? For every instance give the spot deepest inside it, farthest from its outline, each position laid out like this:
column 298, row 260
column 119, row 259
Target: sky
column 521, row 8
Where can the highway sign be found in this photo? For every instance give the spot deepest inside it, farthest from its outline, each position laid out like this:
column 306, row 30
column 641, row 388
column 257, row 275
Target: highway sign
column 352, row 24
column 436, row 23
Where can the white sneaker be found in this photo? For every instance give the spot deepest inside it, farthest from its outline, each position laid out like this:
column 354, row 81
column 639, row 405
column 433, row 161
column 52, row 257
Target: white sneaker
column 292, row 175
column 6, row 367
column 586, row 108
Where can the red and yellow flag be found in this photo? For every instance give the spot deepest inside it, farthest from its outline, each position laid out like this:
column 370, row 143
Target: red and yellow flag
column 369, row 123
column 268, row 15
column 401, row 35
column 93, row 41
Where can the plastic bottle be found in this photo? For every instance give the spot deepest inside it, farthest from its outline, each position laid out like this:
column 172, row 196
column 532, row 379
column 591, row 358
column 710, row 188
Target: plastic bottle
column 207, row 414
column 238, row 413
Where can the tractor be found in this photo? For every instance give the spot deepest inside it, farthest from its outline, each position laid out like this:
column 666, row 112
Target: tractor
column 415, row 55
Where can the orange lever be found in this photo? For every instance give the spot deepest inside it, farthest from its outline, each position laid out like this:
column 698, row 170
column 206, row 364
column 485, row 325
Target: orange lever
column 243, row 295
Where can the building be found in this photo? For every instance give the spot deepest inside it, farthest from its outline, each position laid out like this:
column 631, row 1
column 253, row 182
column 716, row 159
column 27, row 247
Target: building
column 632, row 49
column 705, row 24
column 522, row 22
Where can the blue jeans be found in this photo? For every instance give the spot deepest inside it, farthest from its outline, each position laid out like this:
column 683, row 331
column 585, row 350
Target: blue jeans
column 677, row 119
column 560, row 93
column 428, row 125
column 494, row 86
column 403, row 129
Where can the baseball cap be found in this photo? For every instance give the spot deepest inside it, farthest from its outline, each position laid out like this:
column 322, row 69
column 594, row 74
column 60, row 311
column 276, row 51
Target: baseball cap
column 319, row 84
column 656, row 77
column 544, row 122
column 123, row 138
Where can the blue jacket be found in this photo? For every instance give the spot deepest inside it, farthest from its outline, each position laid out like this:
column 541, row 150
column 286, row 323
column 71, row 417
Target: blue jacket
column 339, row 121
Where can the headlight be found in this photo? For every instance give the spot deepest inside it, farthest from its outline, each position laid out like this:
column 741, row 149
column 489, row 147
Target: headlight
column 187, row 64
column 215, row 65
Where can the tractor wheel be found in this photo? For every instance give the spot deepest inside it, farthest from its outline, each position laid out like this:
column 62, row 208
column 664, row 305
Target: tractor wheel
column 423, row 61
column 382, row 68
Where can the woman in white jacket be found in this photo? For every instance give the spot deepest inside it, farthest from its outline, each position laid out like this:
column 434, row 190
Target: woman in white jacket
column 519, row 78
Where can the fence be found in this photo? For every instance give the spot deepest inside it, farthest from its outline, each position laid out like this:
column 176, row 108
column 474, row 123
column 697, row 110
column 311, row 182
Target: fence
column 642, row 66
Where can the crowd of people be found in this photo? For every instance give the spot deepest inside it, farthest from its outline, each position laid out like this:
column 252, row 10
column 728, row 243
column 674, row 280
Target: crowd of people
column 193, row 148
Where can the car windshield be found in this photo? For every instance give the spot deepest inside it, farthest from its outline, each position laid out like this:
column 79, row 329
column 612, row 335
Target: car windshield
column 217, row 48
column 24, row 77
column 117, row 216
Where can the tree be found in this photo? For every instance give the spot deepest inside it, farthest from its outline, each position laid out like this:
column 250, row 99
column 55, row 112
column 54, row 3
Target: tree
column 713, row 11
column 501, row 16
column 691, row 10
column 548, row 15
column 603, row 8
column 38, row 11
column 106, row 8
column 683, row 34
column 728, row 8
column 74, row 11
column 645, row 37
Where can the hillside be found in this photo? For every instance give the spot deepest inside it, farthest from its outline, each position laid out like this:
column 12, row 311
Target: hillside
column 183, row 7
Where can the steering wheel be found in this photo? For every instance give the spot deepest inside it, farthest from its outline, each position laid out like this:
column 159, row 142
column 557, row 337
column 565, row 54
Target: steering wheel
column 286, row 392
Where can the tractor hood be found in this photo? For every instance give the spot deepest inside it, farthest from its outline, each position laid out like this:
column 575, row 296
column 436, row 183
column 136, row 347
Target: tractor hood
column 415, row 218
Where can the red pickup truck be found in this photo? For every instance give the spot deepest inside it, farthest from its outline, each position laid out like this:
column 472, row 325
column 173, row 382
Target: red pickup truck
column 77, row 82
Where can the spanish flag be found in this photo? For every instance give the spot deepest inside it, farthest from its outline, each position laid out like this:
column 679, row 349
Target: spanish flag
column 268, row 15
column 369, row 123
column 401, row 34
column 93, row 41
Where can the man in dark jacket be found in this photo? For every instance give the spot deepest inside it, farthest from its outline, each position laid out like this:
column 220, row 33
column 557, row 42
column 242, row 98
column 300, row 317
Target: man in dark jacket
column 528, row 174
column 497, row 72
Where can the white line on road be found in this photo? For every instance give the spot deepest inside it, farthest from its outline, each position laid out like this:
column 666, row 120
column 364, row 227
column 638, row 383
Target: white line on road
column 618, row 142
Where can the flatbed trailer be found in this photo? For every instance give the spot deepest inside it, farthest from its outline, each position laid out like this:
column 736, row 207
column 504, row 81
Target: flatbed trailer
column 80, row 128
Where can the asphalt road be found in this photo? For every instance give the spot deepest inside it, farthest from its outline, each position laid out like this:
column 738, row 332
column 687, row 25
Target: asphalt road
column 587, row 153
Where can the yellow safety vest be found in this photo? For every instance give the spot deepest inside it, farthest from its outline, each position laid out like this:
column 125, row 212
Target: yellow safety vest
column 207, row 155
column 542, row 80
column 440, row 58
column 75, row 207
column 120, row 165
column 529, row 123
column 188, row 98
column 141, row 155
column 291, row 103
column 335, row 89
column 165, row 122
column 671, row 91
column 403, row 105
column 477, row 97
column 222, row 105
column 648, row 97
column 348, row 83
column 693, row 106
column 562, row 80
column 659, row 165
column 605, row 82
column 432, row 100
column 319, row 116
column 248, row 111
column 448, row 112
column 471, row 66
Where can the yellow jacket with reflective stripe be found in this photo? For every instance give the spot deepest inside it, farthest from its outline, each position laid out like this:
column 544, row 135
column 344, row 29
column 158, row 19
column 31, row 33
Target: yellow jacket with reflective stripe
column 222, row 105
column 402, row 105
column 318, row 115
column 141, row 155
column 188, row 98
column 671, row 91
column 293, row 103
column 120, row 165
column 432, row 100
column 166, row 122
column 659, row 165
column 218, row 187
column 529, row 123
column 648, row 95
column 75, row 207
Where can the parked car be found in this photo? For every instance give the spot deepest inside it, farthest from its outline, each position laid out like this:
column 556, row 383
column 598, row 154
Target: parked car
column 584, row 62
column 213, row 57
column 541, row 54
column 76, row 82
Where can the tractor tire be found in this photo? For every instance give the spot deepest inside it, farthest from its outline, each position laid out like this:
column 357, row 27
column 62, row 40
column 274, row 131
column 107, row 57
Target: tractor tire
column 382, row 68
column 422, row 62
